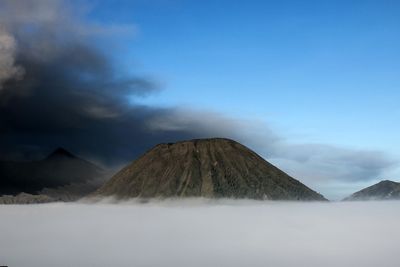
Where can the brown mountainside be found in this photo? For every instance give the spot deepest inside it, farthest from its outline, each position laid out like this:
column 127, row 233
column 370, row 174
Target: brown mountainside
column 215, row 168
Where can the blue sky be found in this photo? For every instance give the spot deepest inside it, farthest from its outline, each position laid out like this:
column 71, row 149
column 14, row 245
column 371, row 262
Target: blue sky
column 316, row 72
column 321, row 71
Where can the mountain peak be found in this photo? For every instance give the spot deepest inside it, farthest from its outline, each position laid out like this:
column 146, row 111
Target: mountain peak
column 386, row 182
column 212, row 168
column 60, row 153
column 384, row 190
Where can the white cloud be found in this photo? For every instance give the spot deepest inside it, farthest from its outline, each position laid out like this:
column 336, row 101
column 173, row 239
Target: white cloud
column 201, row 233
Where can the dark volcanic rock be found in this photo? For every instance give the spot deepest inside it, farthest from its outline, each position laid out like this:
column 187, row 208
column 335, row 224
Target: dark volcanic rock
column 384, row 190
column 215, row 168
column 59, row 173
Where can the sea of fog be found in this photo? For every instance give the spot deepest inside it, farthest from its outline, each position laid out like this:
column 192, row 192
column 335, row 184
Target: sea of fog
column 201, row 233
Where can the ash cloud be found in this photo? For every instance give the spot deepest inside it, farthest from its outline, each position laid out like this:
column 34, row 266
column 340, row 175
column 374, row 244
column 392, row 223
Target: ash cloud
column 71, row 93
column 8, row 68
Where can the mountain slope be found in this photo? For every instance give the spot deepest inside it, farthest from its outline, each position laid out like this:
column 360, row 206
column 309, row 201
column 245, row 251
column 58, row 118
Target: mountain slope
column 213, row 168
column 57, row 171
column 384, row 190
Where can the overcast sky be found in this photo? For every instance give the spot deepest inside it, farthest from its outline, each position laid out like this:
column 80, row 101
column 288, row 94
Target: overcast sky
column 312, row 86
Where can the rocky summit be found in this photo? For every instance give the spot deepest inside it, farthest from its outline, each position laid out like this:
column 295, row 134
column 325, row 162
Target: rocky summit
column 212, row 168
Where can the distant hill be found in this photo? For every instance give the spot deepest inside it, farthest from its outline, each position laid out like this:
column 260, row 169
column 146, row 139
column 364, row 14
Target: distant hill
column 59, row 172
column 216, row 168
column 384, row 190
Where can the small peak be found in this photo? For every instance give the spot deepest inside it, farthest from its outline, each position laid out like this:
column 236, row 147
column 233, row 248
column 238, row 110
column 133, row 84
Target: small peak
column 60, row 153
column 386, row 182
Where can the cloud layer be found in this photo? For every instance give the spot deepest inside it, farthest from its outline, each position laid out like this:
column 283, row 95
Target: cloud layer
column 198, row 233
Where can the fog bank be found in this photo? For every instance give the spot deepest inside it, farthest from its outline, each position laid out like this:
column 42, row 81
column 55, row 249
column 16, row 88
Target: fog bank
column 200, row 233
